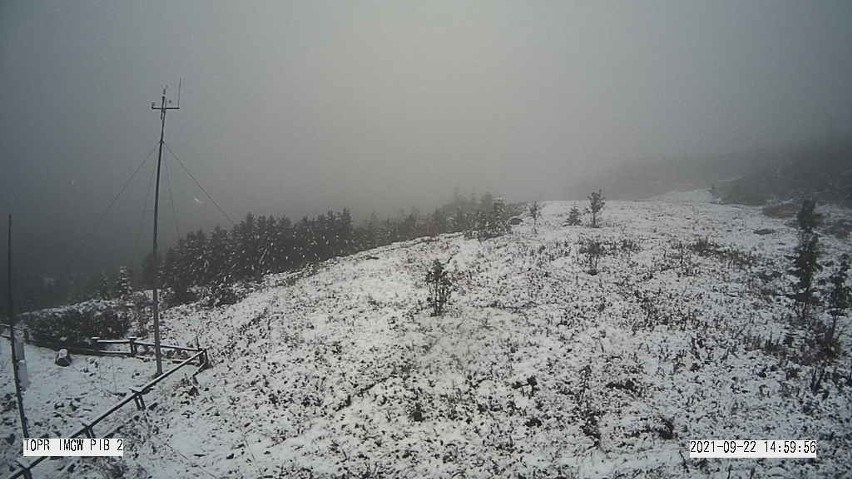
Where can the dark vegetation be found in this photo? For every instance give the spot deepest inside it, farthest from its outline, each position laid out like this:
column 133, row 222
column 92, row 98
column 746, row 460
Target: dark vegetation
column 596, row 204
column 217, row 267
column 74, row 326
column 573, row 217
column 806, row 260
column 535, row 214
column 209, row 265
column 440, row 287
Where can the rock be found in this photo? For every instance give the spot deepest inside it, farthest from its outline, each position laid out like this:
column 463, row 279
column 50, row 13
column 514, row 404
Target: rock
column 764, row 231
column 782, row 210
column 63, row 358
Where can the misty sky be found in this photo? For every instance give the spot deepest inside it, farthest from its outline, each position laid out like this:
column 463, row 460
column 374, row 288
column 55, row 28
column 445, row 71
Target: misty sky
column 297, row 107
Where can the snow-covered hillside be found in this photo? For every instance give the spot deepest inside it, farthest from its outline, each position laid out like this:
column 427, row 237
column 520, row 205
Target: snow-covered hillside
column 537, row 369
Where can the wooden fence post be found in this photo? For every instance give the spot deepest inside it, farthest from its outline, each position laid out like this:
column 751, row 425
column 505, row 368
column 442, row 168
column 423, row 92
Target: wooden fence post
column 132, row 340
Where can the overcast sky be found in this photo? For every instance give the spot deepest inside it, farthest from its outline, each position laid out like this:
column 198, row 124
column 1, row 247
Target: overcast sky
column 297, row 107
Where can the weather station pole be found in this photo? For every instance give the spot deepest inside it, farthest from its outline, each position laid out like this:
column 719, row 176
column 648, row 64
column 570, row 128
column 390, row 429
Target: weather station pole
column 163, row 109
column 13, row 338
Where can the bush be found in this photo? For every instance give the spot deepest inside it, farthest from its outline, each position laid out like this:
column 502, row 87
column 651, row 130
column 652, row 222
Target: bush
column 221, row 294
column 593, row 250
column 74, row 326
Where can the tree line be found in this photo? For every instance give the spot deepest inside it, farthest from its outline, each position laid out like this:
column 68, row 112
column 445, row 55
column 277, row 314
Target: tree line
column 259, row 245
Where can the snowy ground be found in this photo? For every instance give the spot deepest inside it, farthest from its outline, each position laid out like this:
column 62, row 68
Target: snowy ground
column 59, row 398
column 537, row 369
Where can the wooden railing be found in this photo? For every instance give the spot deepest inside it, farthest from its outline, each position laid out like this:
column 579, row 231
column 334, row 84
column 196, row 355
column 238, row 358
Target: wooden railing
column 97, row 344
column 136, row 395
column 133, row 344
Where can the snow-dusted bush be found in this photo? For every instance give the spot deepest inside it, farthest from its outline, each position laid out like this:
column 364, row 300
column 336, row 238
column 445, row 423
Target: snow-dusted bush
column 77, row 324
column 221, row 294
column 592, row 250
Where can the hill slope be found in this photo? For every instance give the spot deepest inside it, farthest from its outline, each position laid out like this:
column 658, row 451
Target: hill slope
column 538, row 368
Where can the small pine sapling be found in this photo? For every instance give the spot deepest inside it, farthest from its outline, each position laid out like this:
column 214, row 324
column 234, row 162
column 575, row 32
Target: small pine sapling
column 535, row 213
column 123, row 288
column 596, row 204
column 440, row 287
column 574, row 216
column 839, row 299
column 806, row 260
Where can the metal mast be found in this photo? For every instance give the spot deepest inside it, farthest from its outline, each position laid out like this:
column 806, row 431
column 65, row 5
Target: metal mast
column 163, row 109
column 12, row 340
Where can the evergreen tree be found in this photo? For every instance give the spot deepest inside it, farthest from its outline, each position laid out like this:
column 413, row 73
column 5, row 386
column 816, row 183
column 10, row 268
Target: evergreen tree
column 176, row 274
column 459, row 220
column 535, row 213
column 123, row 288
column 105, row 290
column 839, row 301
column 440, row 286
column 282, row 245
column 596, row 204
column 146, row 277
column 574, row 216
column 195, row 257
column 244, row 250
column 372, row 232
column 345, row 233
column 218, row 271
column 486, row 202
column 807, row 217
column 806, row 261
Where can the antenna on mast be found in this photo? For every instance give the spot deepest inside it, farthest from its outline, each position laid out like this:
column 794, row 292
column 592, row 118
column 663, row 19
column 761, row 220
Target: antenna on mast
column 180, row 82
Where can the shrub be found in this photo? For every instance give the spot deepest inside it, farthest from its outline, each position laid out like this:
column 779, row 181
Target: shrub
column 593, row 250
column 220, row 293
column 75, row 326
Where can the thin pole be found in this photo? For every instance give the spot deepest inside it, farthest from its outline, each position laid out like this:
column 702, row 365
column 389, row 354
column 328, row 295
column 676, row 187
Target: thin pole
column 155, row 281
column 18, row 394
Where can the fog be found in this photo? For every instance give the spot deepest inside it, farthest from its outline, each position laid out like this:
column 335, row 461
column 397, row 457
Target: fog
column 298, row 107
